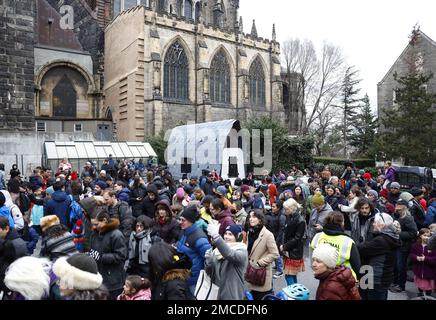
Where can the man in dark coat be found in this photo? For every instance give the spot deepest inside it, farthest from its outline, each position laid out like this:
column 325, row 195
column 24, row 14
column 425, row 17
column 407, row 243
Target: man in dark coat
column 109, row 249
column 119, row 210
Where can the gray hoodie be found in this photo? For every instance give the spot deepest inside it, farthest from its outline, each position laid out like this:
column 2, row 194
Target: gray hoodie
column 228, row 271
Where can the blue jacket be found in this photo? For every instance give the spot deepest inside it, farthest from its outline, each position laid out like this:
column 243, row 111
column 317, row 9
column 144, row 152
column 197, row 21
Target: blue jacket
column 431, row 214
column 196, row 254
column 59, row 205
column 6, row 212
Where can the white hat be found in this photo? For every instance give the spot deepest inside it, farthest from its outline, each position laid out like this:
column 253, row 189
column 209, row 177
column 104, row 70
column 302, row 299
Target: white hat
column 103, row 172
column 327, row 254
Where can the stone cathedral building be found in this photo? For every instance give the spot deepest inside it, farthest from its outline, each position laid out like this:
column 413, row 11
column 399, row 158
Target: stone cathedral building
column 173, row 61
column 124, row 69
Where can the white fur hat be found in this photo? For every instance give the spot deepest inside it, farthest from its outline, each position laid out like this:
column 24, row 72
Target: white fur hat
column 28, row 277
column 327, row 254
column 78, row 272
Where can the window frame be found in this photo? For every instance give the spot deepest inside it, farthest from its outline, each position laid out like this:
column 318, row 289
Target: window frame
column 41, row 122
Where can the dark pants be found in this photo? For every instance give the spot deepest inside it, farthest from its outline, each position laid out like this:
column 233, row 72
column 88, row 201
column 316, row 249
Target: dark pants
column 374, row 294
column 400, row 270
column 259, row 295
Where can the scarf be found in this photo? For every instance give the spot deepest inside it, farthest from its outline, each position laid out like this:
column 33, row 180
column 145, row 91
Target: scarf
column 253, row 234
column 232, row 245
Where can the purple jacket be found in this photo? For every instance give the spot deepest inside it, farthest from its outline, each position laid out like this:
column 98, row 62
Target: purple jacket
column 390, row 174
column 423, row 269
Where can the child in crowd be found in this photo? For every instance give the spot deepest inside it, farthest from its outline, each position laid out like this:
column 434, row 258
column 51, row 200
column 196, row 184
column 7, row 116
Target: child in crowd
column 424, row 263
column 136, row 288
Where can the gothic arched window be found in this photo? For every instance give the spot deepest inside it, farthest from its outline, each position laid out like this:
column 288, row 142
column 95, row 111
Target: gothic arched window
column 220, row 78
column 257, row 84
column 64, row 99
column 197, row 11
column 176, row 73
column 188, row 9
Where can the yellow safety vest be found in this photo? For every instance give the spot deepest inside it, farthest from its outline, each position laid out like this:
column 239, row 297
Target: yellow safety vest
column 342, row 244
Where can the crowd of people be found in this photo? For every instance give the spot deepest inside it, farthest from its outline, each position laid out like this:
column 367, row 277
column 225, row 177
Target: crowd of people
column 129, row 231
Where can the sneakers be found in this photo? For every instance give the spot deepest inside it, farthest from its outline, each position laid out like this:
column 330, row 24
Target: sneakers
column 277, row 275
column 395, row 288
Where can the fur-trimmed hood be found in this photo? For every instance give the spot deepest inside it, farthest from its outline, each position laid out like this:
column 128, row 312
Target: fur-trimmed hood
column 173, row 274
column 112, row 225
column 75, row 278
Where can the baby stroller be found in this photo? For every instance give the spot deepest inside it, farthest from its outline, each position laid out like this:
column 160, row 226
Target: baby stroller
column 295, row 291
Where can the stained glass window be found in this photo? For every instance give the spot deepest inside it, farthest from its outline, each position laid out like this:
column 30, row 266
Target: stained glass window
column 176, row 73
column 257, row 84
column 220, row 78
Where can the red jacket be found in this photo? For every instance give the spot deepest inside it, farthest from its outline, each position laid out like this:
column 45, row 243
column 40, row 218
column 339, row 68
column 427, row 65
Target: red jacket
column 337, row 285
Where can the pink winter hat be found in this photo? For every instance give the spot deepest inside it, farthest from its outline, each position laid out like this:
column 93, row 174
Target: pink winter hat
column 180, row 193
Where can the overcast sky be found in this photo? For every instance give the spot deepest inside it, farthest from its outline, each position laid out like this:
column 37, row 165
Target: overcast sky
column 371, row 33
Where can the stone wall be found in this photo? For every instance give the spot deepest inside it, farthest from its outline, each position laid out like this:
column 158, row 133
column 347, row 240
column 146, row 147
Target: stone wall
column 17, row 20
column 426, row 47
column 136, row 44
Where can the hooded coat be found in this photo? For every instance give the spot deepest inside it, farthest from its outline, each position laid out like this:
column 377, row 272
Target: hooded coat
column 111, row 245
column 431, row 212
column 148, row 204
column 59, row 205
column 172, row 286
column 225, row 219
column 337, row 285
column 170, row 230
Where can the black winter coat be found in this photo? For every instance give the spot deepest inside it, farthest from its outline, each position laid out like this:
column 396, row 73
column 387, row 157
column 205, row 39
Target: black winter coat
column 408, row 233
column 169, row 232
column 276, row 224
column 293, row 242
column 111, row 245
column 379, row 253
column 173, row 286
column 123, row 213
column 139, row 192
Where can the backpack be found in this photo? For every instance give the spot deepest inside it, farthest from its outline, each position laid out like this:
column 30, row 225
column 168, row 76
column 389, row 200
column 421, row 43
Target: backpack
column 75, row 213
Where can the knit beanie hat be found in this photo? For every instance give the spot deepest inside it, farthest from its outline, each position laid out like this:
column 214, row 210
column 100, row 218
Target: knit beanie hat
column 367, row 176
column 48, row 221
column 180, row 193
column 395, row 185
column 318, row 199
column 327, row 254
column 190, row 214
column 78, row 272
column 384, row 193
column 373, row 193
column 244, row 188
column 101, row 184
column 236, row 230
column 222, row 190
column 406, row 196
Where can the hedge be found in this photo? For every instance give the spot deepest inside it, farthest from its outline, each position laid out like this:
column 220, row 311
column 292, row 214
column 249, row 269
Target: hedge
column 360, row 163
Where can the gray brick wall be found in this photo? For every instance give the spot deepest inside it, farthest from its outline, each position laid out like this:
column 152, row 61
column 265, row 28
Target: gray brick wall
column 16, row 65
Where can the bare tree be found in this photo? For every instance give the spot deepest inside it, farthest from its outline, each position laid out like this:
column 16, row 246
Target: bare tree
column 302, row 67
column 320, row 79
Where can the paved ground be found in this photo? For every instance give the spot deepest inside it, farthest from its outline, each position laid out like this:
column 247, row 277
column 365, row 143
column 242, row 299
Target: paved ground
column 306, row 278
